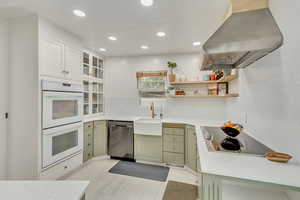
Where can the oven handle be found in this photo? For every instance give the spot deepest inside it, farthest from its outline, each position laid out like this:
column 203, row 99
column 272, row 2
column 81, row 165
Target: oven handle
column 54, row 96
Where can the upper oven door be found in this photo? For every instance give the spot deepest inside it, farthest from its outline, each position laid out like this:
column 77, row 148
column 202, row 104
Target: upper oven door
column 60, row 108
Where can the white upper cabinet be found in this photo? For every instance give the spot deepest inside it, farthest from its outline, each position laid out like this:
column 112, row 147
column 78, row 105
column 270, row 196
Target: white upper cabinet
column 73, row 69
column 61, row 61
column 52, row 59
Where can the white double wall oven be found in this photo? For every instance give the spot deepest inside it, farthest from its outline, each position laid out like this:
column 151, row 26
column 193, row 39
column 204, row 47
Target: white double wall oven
column 62, row 116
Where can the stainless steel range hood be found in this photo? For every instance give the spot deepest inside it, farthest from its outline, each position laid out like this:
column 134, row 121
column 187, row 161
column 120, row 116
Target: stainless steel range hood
column 248, row 34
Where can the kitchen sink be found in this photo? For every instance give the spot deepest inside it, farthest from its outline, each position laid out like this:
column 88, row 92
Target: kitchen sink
column 148, row 126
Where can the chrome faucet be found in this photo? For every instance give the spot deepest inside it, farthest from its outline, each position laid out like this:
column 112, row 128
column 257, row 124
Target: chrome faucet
column 152, row 110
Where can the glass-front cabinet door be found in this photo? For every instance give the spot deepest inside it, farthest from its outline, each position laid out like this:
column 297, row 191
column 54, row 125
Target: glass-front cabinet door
column 97, row 98
column 86, row 93
column 93, row 68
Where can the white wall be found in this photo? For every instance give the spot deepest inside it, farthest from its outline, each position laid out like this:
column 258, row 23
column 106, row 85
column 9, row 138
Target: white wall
column 121, row 94
column 270, row 88
column 23, row 98
column 3, row 96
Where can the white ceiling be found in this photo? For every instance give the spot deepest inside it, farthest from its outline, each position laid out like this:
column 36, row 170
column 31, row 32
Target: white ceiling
column 184, row 21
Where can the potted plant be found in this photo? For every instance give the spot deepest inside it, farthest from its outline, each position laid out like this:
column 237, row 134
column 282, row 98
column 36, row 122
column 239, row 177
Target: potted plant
column 172, row 65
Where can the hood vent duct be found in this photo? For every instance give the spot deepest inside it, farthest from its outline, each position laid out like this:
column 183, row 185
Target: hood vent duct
column 248, row 34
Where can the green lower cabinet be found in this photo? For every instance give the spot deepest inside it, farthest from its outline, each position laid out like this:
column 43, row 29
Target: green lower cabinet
column 94, row 140
column 174, row 144
column 176, row 159
column 148, row 148
column 88, row 141
column 100, row 138
column 191, row 148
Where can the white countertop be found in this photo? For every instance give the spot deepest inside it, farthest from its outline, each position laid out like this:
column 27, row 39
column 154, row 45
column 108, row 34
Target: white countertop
column 234, row 165
column 248, row 167
column 42, row 190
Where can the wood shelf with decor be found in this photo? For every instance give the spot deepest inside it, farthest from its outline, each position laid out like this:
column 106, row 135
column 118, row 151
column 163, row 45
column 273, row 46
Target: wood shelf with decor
column 197, row 89
column 226, row 79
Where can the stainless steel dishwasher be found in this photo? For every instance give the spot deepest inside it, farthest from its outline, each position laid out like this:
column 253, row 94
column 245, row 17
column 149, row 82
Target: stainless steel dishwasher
column 120, row 140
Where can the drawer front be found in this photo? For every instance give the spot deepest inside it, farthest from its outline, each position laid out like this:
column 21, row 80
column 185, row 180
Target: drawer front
column 174, row 131
column 88, row 126
column 174, row 158
column 178, row 144
column 174, row 143
column 99, row 123
column 88, row 146
column 62, row 168
column 88, row 137
column 87, row 155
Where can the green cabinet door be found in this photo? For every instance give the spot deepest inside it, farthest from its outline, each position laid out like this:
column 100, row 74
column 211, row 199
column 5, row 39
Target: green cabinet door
column 100, row 138
column 191, row 148
column 148, row 148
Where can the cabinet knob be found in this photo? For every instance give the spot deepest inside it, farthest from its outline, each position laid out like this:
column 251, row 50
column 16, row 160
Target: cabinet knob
column 89, row 144
column 65, row 167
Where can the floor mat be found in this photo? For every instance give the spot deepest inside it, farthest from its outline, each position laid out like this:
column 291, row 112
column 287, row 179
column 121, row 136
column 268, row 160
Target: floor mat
column 180, row 191
column 140, row 170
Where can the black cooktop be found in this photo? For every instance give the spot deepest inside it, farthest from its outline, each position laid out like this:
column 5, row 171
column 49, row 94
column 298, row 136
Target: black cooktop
column 214, row 136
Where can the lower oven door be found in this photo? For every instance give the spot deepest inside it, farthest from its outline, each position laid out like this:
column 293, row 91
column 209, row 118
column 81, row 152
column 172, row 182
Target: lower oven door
column 61, row 108
column 61, row 142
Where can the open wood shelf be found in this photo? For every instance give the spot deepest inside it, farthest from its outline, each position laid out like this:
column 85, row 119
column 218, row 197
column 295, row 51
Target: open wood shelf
column 202, row 96
column 222, row 80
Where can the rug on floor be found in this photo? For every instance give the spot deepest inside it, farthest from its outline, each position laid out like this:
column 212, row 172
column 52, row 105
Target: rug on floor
column 180, row 191
column 140, row 170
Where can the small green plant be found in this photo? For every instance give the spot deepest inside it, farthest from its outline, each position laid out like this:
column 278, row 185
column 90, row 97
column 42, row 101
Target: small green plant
column 172, row 65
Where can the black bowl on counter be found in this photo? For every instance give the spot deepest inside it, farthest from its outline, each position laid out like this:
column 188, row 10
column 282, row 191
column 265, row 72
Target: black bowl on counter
column 231, row 144
column 232, row 132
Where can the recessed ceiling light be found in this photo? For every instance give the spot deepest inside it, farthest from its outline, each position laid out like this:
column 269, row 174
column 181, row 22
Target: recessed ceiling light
column 144, row 47
column 79, row 13
column 147, row 2
column 161, row 34
column 102, row 49
column 197, row 43
column 112, row 38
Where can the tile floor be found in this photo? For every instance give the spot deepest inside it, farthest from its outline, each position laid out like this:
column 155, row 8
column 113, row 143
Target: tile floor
column 107, row 186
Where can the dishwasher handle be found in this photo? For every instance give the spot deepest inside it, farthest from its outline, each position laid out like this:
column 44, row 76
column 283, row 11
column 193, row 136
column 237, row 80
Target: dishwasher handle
column 120, row 124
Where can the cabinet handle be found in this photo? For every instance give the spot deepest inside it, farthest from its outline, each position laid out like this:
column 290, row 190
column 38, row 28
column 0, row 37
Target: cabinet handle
column 65, row 72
